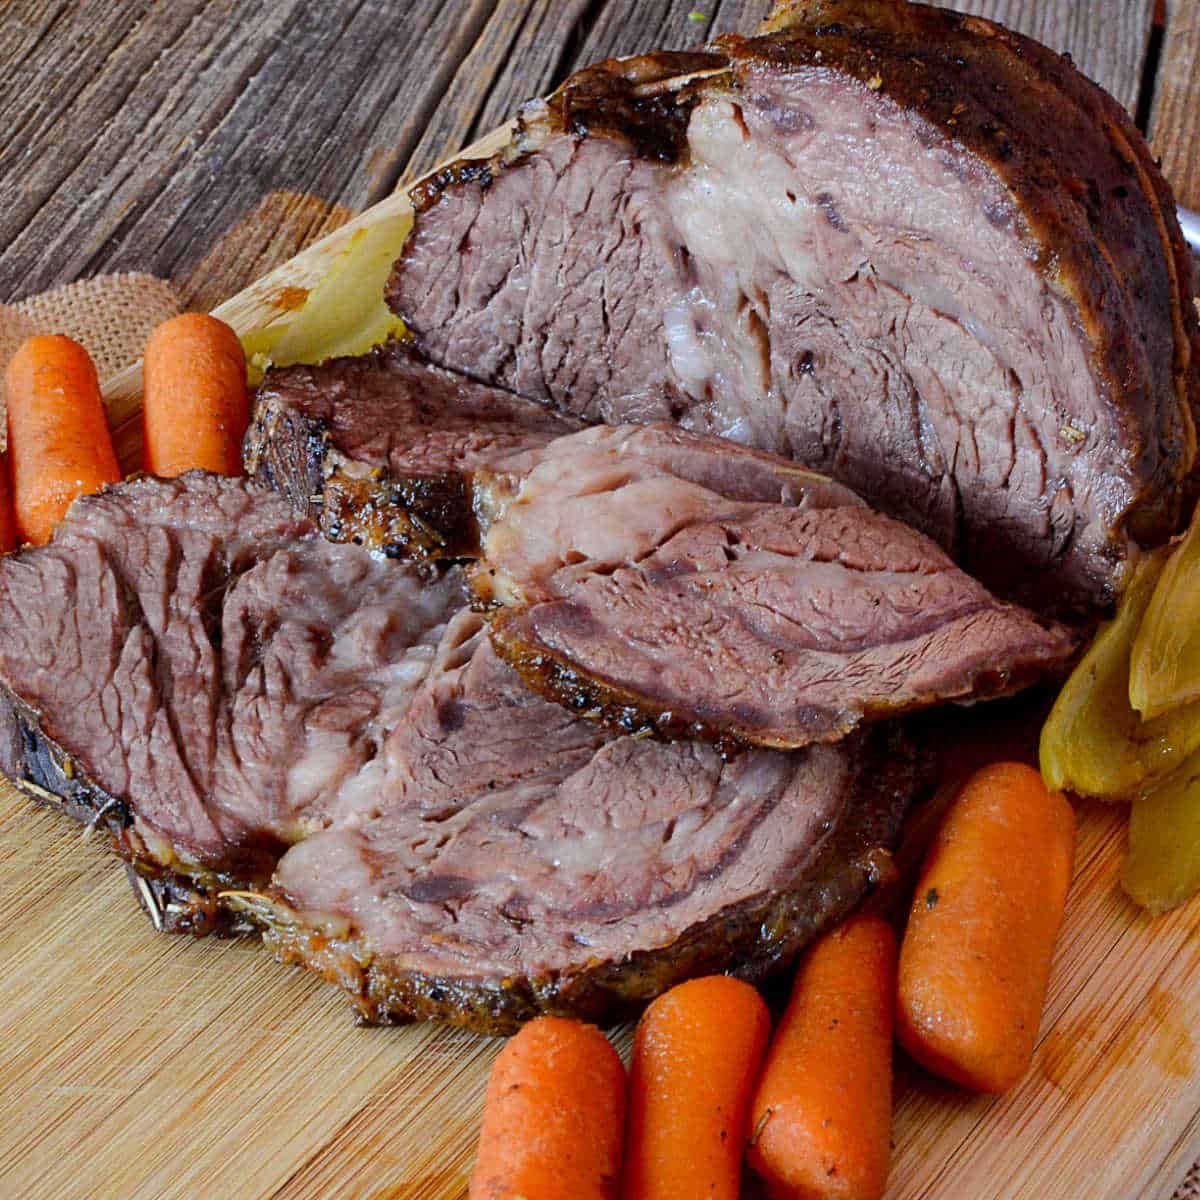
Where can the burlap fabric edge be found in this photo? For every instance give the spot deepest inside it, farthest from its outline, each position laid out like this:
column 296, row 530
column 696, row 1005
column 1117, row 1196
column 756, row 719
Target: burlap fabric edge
column 110, row 315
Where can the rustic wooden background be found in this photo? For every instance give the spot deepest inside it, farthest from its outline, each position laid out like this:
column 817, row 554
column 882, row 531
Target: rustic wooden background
column 207, row 140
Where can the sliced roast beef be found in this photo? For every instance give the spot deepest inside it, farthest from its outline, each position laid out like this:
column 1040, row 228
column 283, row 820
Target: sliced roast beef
column 608, row 495
column 654, row 604
column 381, row 449
column 524, row 864
column 406, row 458
column 189, row 660
column 281, row 727
column 902, row 246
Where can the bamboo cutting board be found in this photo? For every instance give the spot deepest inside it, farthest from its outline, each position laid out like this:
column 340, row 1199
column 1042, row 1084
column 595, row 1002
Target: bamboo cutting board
column 135, row 1066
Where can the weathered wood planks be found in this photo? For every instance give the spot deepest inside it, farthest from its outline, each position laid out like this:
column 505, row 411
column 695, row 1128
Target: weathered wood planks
column 1175, row 117
column 134, row 135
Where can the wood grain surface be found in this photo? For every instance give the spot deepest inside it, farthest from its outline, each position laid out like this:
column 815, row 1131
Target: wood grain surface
column 134, row 135
column 210, row 142
column 1175, row 120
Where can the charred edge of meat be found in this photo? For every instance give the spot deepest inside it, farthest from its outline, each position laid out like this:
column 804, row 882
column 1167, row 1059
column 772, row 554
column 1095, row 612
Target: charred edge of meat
column 588, row 697
column 462, row 170
column 646, row 100
column 46, row 772
column 762, row 935
column 175, row 904
column 424, row 516
column 554, row 677
column 182, row 900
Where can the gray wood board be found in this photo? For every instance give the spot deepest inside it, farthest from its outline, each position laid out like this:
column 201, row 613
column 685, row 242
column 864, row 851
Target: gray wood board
column 1175, row 118
column 136, row 134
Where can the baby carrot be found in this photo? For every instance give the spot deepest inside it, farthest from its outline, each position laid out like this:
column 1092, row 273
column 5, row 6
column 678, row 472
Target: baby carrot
column 822, row 1115
column 553, row 1116
column 976, row 955
column 58, row 439
column 8, row 519
column 695, row 1059
column 195, row 406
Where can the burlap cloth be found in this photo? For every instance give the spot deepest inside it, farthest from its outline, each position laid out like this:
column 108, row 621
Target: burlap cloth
column 112, row 316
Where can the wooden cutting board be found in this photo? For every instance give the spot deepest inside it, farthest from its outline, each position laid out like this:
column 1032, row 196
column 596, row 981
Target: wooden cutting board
column 137, row 1066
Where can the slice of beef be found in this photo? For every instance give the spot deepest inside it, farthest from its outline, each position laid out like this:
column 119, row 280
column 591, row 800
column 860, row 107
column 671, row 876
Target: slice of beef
column 903, row 246
column 190, row 663
column 777, row 627
column 405, row 458
column 326, row 744
column 652, row 603
column 380, row 449
column 524, row 864
column 473, row 727
column 610, row 494
column 606, row 453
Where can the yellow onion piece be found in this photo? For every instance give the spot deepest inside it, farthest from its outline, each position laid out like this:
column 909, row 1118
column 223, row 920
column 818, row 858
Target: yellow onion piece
column 1163, row 867
column 1165, row 668
column 1094, row 742
column 344, row 313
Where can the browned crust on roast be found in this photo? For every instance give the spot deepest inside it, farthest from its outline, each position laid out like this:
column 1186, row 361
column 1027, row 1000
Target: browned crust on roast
column 645, row 100
column 756, row 938
column 1116, row 251
column 419, row 516
column 554, row 676
column 183, row 897
column 1087, row 198
column 286, row 451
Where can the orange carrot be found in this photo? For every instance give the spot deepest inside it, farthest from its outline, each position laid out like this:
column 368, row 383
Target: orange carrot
column 195, row 406
column 58, row 439
column 553, row 1116
column 822, row 1115
column 976, row 955
column 8, row 518
column 695, row 1060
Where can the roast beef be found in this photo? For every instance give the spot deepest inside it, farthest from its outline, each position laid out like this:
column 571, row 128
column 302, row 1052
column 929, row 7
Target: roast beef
column 381, row 449
column 190, row 659
column 900, row 245
column 525, row 864
column 322, row 742
column 651, row 602
column 405, row 458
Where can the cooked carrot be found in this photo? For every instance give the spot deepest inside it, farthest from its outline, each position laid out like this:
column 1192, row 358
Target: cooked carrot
column 58, row 439
column 822, row 1115
column 195, row 406
column 695, row 1060
column 8, row 518
column 975, row 958
column 553, row 1117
